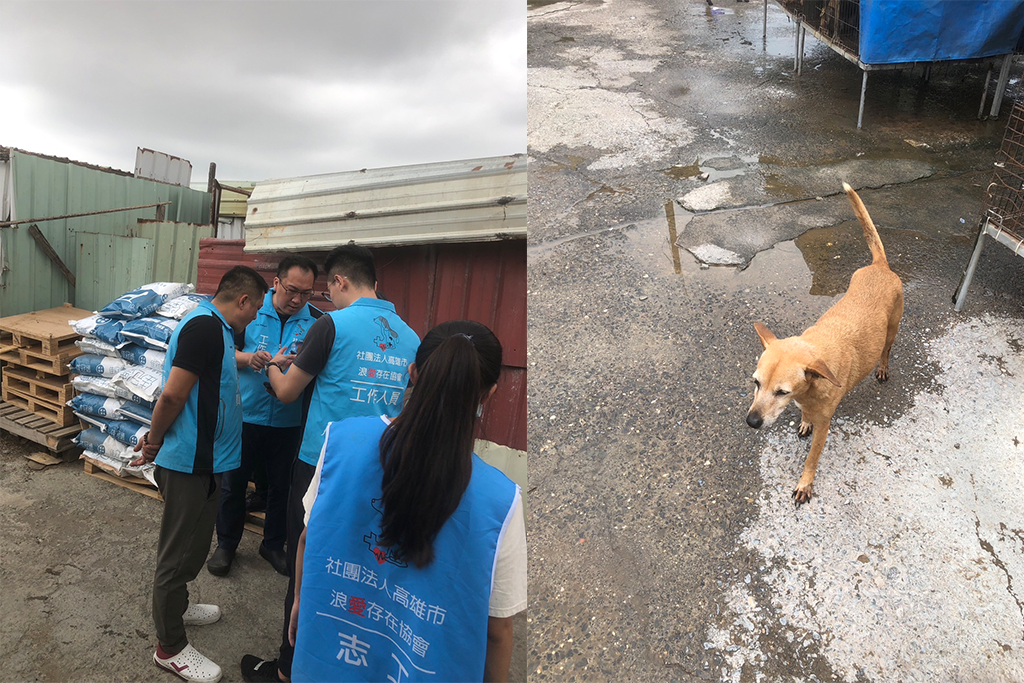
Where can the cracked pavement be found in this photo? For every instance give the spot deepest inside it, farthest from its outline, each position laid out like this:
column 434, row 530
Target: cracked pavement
column 663, row 544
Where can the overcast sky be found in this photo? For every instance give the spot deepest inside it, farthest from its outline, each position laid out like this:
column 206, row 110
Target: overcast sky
column 265, row 89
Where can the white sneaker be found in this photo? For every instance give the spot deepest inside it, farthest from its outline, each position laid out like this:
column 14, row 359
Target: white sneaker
column 191, row 665
column 200, row 615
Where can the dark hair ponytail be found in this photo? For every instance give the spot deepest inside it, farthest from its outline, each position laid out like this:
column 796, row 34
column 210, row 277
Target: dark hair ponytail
column 427, row 450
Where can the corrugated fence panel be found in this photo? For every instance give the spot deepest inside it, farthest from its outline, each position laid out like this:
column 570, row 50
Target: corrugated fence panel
column 46, row 187
column 175, row 249
column 109, row 266
column 430, row 284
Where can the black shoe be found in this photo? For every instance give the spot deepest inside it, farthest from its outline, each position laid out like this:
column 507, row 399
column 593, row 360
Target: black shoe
column 219, row 563
column 277, row 559
column 254, row 502
column 256, row 670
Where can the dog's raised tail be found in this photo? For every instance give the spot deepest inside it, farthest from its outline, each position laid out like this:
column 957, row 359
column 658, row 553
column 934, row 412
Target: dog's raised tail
column 870, row 233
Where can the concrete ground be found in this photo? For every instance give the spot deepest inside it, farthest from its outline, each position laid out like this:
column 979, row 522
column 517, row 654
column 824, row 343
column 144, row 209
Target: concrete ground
column 663, row 542
column 77, row 577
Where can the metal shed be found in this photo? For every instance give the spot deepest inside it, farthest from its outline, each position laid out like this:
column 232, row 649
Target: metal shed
column 471, row 200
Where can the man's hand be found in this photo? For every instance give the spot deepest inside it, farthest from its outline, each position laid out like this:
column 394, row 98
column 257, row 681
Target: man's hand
column 282, row 360
column 149, row 451
column 259, row 359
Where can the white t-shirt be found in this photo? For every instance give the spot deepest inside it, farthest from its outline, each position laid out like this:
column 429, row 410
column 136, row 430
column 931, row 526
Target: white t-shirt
column 508, row 592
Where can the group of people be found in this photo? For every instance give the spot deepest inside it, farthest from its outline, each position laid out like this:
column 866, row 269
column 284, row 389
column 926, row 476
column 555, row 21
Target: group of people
column 406, row 554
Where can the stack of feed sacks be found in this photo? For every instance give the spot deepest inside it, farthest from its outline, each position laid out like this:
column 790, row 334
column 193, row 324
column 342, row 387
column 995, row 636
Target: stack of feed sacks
column 121, row 374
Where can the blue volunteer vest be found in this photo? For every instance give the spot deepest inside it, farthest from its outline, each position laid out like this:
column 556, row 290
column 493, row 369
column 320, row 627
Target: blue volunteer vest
column 180, row 442
column 265, row 334
column 366, row 373
column 365, row 617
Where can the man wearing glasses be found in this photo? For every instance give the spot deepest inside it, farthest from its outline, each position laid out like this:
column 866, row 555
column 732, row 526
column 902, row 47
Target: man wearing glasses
column 357, row 361
column 271, row 430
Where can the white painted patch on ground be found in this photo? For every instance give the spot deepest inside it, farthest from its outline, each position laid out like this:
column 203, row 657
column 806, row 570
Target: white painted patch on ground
column 908, row 564
column 579, row 106
column 708, row 197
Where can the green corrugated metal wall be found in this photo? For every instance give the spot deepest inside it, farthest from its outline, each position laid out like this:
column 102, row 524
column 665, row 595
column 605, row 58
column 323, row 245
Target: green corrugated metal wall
column 47, row 187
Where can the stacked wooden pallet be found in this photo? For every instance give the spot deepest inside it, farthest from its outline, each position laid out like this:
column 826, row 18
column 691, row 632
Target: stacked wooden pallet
column 35, row 349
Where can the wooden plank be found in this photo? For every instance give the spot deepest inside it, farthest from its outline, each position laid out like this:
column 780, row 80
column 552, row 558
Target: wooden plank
column 49, row 327
column 51, row 253
column 48, row 387
column 61, row 415
column 44, row 459
column 95, row 469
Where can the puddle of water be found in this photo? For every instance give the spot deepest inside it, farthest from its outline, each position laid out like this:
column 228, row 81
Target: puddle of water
column 566, row 39
column 681, row 172
column 607, row 189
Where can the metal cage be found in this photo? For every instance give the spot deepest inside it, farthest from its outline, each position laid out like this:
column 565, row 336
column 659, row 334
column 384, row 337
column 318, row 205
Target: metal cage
column 1003, row 219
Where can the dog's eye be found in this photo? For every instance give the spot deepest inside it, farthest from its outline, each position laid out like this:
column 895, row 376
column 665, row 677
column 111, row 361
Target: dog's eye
column 781, row 392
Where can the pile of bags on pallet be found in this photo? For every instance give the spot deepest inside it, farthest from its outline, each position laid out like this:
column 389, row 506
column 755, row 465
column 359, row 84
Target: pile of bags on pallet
column 120, row 375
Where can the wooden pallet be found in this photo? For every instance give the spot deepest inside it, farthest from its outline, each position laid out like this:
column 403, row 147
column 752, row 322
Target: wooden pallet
column 38, row 384
column 60, row 415
column 253, row 520
column 99, row 470
column 48, row 329
column 55, row 438
column 32, row 359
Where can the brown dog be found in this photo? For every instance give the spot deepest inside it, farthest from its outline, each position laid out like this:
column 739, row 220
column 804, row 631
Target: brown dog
column 816, row 369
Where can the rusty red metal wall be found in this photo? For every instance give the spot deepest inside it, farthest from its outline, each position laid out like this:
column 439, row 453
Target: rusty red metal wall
column 429, row 284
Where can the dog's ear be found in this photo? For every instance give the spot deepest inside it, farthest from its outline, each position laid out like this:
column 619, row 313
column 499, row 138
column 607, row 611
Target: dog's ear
column 819, row 369
column 764, row 334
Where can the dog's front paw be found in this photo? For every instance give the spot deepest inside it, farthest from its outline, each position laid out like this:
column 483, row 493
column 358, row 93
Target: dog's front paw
column 805, row 428
column 801, row 494
column 882, row 374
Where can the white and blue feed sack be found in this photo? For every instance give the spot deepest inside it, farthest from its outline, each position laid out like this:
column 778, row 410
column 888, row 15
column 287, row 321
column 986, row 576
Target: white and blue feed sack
column 141, row 302
column 93, row 345
column 181, row 306
column 139, row 381
column 96, row 365
column 120, row 467
column 135, row 411
column 127, row 432
column 99, row 327
column 94, row 440
column 153, row 333
column 93, row 404
column 84, row 384
column 140, row 355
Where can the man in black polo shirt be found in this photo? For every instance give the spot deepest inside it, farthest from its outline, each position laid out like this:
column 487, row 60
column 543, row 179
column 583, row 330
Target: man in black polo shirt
column 195, row 436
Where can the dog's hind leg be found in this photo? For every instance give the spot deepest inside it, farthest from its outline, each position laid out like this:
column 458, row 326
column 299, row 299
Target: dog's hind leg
column 882, row 372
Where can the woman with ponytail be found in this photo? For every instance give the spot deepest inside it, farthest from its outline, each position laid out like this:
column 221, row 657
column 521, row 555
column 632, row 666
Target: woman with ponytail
column 414, row 556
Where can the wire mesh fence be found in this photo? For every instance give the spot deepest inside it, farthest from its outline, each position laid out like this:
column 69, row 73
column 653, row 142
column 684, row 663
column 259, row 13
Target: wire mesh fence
column 836, row 20
column 1005, row 207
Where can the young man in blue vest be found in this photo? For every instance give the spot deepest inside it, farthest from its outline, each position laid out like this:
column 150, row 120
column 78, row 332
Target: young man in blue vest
column 194, row 438
column 359, row 356
column 270, row 429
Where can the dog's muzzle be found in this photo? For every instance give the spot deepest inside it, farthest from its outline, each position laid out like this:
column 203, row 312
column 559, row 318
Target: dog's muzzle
column 754, row 420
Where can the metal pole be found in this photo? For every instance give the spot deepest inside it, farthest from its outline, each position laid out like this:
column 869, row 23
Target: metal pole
column 796, row 52
column 984, row 92
column 764, row 28
column 79, row 215
column 961, row 293
column 863, row 91
column 1004, row 77
column 803, row 37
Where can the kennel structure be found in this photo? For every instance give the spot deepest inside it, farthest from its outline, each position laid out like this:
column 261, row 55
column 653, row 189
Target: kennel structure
column 903, row 34
column 1003, row 220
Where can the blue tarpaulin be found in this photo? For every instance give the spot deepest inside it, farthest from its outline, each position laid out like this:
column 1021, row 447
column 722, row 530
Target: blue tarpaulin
column 899, row 31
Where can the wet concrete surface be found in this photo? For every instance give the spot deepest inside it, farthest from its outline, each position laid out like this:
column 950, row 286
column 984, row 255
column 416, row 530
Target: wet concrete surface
column 662, row 542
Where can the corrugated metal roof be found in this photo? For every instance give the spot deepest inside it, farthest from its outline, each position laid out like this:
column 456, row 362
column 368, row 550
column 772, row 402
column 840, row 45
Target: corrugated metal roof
column 470, row 200
column 232, row 204
column 429, row 284
column 162, row 167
